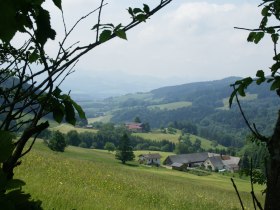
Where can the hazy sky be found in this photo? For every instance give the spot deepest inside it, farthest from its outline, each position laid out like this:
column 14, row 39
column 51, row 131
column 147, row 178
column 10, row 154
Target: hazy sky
column 187, row 41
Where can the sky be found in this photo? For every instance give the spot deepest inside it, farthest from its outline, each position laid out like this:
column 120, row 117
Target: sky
column 188, row 41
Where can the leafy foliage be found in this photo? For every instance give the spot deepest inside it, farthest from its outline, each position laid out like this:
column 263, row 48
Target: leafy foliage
column 57, row 142
column 270, row 11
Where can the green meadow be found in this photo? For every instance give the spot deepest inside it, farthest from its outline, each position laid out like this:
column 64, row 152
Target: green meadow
column 92, row 179
column 172, row 106
column 65, row 128
column 158, row 136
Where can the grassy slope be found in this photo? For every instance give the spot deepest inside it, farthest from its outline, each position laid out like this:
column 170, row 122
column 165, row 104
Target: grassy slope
column 64, row 128
column 104, row 119
column 172, row 106
column 157, row 136
column 89, row 179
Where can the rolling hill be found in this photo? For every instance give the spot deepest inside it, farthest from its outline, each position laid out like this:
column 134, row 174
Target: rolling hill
column 201, row 104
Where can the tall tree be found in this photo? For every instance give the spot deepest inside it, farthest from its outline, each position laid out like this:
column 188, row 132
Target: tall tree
column 124, row 152
column 269, row 26
column 26, row 99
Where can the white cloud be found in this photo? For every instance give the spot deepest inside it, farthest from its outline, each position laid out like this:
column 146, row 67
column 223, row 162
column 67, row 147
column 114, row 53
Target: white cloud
column 192, row 41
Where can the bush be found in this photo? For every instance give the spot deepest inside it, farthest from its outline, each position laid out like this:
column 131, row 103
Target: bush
column 57, row 142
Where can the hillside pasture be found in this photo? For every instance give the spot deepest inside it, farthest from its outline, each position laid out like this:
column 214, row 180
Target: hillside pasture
column 104, row 119
column 89, row 179
column 65, row 128
column 171, row 106
column 158, row 136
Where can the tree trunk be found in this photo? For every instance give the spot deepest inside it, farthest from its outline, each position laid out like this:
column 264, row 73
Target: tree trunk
column 272, row 200
column 13, row 161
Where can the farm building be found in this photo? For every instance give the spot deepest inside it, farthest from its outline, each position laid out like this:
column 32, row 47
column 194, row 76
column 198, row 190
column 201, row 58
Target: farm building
column 134, row 127
column 214, row 163
column 192, row 160
column 150, row 159
column 208, row 160
column 179, row 166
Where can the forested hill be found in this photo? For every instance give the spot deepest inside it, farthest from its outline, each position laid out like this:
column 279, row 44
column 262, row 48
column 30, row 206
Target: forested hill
column 217, row 89
column 200, row 108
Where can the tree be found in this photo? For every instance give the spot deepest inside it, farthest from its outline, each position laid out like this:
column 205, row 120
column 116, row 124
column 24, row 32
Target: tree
column 146, row 127
column 137, row 120
column 181, row 148
column 270, row 15
column 73, row 138
column 24, row 98
column 124, row 152
column 57, row 142
column 110, row 146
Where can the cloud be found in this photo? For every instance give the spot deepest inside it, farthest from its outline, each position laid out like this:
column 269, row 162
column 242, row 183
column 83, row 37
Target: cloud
column 188, row 41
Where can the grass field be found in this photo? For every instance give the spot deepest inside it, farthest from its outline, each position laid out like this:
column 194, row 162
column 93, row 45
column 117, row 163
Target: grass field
column 65, row 128
column 104, row 119
column 158, row 136
column 171, row 106
column 88, row 179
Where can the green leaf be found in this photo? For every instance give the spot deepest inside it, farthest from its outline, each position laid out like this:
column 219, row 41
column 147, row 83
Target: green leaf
column 130, row 11
column 258, row 37
column 6, row 145
column 57, row 92
column 58, row 113
column 44, row 30
column 34, row 56
column 276, row 84
column 58, row 3
column 251, row 37
column 275, row 38
column 277, row 57
column 69, row 113
column 118, row 27
column 105, row 35
column 232, row 97
column 265, row 11
column 241, row 90
column 275, row 67
column 79, row 109
column 146, row 8
column 121, row 34
column 263, row 23
column 137, row 10
column 260, row 73
column 270, row 30
column 141, row 17
column 8, row 22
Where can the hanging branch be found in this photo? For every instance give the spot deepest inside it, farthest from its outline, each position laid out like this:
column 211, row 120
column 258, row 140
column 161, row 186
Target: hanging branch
column 254, row 129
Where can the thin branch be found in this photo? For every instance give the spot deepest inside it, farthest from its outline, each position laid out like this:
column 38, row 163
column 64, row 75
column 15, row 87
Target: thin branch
column 254, row 131
column 98, row 20
column 236, row 190
column 257, row 29
column 252, row 185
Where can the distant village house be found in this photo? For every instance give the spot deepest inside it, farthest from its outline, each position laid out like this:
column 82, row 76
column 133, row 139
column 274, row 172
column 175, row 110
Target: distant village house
column 150, row 159
column 134, row 127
